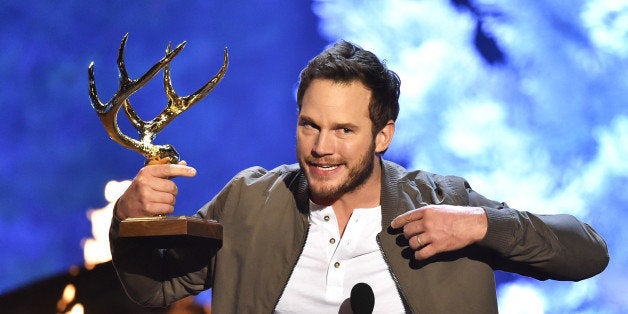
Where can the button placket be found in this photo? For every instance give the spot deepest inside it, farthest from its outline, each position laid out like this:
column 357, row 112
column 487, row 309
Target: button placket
column 331, row 235
column 335, row 273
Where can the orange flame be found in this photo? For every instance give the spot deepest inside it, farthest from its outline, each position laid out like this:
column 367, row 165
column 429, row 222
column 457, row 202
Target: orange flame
column 96, row 249
column 69, row 293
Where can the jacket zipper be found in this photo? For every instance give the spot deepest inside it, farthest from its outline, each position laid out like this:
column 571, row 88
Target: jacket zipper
column 404, row 299
column 294, row 265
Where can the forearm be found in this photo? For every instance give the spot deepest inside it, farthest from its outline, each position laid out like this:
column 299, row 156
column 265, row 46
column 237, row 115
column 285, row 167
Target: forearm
column 544, row 246
column 156, row 278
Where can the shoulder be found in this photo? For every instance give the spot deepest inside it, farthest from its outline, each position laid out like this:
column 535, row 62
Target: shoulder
column 257, row 172
column 433, row 187
column 260, row 176
column 258, row 182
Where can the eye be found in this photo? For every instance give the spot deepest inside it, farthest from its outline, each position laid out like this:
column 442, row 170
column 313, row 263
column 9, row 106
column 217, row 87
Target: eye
column 307, row 126
column 344, row 132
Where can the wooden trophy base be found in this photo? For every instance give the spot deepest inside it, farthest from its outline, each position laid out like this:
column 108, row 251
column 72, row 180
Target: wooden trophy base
column 168, row 231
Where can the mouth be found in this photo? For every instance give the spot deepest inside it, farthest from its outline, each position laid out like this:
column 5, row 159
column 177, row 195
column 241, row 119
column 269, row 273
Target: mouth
column 324, row 169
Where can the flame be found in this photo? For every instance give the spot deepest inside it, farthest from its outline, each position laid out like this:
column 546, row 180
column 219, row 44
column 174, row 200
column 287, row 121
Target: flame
column 96, row 249
column 77, row 309
column 68, row 296
column 69, row 293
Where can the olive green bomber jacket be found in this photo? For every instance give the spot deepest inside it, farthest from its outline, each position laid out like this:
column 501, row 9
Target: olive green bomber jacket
column 265, row 219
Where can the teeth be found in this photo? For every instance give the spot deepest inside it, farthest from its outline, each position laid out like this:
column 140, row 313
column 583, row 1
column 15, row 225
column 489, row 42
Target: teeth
column 328, row 167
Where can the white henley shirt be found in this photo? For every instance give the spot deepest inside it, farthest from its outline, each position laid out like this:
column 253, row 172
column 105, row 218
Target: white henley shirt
column 330, row 266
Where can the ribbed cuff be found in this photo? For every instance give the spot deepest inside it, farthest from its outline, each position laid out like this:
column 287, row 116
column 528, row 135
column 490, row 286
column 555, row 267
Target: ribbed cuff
column 500, row 231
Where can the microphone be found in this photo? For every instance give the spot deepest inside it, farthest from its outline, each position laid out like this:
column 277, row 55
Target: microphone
column 362, row 299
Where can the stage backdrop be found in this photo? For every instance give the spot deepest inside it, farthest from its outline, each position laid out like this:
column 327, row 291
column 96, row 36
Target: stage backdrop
column 524, row 99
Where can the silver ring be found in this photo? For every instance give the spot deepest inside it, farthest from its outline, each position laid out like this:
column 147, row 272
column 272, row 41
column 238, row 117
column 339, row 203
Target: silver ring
column 419, row 240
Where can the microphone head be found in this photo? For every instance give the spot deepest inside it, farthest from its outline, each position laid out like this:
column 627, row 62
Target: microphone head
column 362, row 298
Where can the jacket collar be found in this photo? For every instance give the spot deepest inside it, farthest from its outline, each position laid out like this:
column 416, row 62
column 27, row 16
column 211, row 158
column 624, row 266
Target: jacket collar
column 297, row 183
column 389, row 199
column 392, row 205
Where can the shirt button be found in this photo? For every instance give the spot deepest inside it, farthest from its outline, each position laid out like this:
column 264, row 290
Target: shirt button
column 326, row 218
column 332, row 240
column 336, row 264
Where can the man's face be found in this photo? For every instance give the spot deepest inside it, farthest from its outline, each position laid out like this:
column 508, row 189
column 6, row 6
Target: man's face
column 335, row 144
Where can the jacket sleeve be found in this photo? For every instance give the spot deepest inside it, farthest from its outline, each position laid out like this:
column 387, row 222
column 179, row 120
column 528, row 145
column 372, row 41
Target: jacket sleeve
column 558, row 247
column 154, row 277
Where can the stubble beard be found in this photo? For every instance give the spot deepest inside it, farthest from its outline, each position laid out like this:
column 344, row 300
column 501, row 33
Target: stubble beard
column 356, row 178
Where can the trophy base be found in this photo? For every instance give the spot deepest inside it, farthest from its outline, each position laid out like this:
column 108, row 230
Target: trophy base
column 166, row 226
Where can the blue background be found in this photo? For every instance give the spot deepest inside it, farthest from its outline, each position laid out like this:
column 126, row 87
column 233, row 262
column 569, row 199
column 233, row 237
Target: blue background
column 526, row 100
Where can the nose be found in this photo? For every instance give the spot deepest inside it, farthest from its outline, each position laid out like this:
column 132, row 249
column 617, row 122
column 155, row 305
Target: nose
column 324, row 144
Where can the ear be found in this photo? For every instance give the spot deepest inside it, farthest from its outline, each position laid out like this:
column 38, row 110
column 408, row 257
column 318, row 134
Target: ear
column 384, row 137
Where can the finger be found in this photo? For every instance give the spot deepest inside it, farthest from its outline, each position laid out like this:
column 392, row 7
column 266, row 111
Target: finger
column 145, row 184
column 146, row 195
column 164, row 198
column 163, row 185
column 169, row 171
column 150, row 202
column 423, row 246
column 406, row 218
column 413, row 228
column 159, row 209
column 425, row 252
column 143, row 204
column 418, row 241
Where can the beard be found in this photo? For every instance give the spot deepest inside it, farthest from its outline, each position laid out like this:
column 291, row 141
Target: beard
column 358, row 174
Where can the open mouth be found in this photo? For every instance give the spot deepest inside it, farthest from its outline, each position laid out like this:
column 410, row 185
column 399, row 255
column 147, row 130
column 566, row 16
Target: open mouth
column 324, row 169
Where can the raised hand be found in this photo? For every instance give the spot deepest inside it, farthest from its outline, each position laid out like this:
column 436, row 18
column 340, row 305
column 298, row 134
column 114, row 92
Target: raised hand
column 152, row 192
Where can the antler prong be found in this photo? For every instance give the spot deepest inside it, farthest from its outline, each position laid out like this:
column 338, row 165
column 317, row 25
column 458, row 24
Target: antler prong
column 93, row 94
column 107, row 112
column 135, row 119
column 209, row 86
column 127, row 86
column 124, row 76
column 176, row 104
column 170, row 92
column 148, row 130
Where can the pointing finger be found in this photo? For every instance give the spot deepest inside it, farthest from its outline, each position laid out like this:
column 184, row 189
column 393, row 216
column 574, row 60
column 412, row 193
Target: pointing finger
column 406, row 218
column 171, row 170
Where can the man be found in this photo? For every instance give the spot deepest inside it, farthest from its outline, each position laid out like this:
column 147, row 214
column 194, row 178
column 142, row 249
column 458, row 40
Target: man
column 298, row 238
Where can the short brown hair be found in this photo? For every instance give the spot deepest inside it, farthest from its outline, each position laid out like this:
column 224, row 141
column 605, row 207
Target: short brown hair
column 347, row 62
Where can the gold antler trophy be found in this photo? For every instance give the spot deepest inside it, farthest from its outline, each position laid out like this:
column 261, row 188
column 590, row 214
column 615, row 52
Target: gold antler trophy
column 158, row 226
